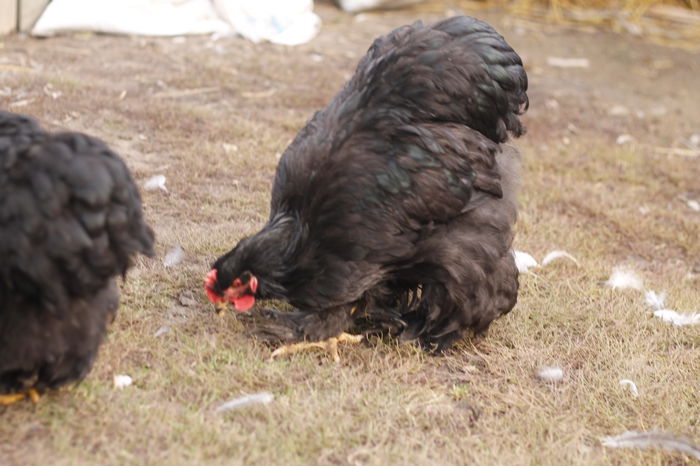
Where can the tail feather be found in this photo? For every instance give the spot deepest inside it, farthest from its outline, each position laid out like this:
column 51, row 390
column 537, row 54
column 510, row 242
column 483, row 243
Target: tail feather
column 459, row 70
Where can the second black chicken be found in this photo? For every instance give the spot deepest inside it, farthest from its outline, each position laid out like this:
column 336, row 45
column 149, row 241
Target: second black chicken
column 70, row 222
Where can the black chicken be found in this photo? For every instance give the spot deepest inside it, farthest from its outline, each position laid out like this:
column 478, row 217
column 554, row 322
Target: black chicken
column 393, row 208
column 70, row 222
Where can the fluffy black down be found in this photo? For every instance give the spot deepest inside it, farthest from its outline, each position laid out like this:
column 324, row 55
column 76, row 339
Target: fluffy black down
column 393, row 208
column 70, row 222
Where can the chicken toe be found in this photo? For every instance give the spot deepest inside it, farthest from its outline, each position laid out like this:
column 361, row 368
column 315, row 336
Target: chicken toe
column 11, row 398
column 33, row 395
column 330, row 345
column 7, row 400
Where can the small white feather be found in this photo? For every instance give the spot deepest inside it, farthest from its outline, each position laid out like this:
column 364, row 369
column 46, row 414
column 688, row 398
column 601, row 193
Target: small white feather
column 524, row 261
column 551, row 104
column 679, row 320
column 654, row 300
column 174, row 256
column 122, row 381
column 695, row 205
column 624, row 139
column 554, row 255
column 652, row 439
column 262, row 397
column 631, row 385
column 162, row 331
column 623, row 278
column 48, row 90
column 155, row 182
column 230, row 148
column 560, row 62
column 694, row 140
column 550, row 374
column 618, row 110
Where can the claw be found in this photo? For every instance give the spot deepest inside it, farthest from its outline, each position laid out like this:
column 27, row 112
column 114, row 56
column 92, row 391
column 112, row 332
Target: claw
column 221, row 308
column 33, row 395
column 330, row 345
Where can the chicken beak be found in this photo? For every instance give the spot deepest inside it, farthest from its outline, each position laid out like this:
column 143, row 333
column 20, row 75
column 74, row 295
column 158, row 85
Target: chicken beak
column 221, row 307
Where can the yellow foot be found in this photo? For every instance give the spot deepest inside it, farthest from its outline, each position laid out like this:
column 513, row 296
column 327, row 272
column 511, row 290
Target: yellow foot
column 330, row 345
column 7, row 400
column 33, row 395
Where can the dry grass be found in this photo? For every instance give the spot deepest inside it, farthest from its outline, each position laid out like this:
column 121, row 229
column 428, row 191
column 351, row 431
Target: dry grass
column 383, row 404
column 668, row 22
column 630, row 5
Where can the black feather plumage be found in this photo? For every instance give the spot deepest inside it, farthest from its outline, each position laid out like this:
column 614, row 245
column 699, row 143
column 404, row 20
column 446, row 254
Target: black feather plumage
column 70, row 222
column 394, row 206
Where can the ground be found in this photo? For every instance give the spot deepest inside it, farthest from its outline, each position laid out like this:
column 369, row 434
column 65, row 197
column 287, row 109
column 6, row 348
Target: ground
column 213, row 117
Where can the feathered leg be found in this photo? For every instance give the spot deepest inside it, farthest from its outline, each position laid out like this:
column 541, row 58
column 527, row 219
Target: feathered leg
column 299, row 331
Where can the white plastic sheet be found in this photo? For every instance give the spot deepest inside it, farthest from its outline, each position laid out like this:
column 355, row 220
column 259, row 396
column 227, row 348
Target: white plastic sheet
column 289, row 22
column 140, row 17
column 354, row 6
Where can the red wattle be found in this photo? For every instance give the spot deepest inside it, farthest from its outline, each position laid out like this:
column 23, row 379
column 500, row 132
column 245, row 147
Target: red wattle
column 244, row 302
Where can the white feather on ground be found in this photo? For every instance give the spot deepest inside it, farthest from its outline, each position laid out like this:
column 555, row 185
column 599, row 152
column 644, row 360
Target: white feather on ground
column 550, row 374
column 558, row 254
column 262, row 397
column 656, row 303
column 679, row 320
column 155, row 182
column 560, row 62
column 624, row 139
column 174, row 256
column 631, row 385
column 654, row 300
column 652, row 439
column 162, row 331
column 622, row 278
column 524, row 261
column 122, row 381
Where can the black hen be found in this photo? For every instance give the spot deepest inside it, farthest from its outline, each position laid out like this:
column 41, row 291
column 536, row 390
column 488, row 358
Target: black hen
column 70, row 222
column 394, row 206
